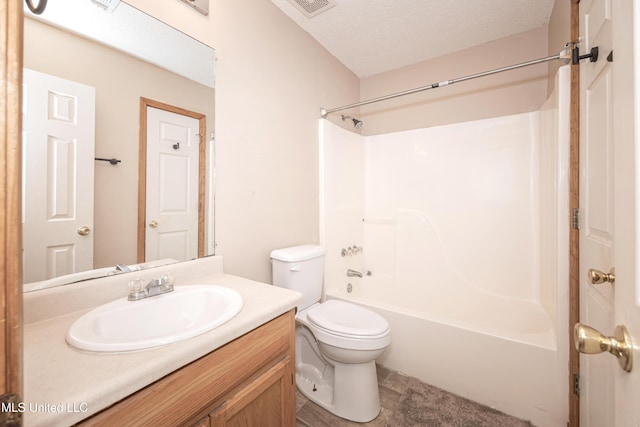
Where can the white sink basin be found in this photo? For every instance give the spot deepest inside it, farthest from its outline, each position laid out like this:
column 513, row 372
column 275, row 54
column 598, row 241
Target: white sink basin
column 123, row 325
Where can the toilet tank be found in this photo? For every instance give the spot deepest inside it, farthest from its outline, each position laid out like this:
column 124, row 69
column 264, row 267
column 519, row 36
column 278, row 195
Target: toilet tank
column 300, row 268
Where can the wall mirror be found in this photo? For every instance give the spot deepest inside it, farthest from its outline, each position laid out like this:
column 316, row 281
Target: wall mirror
column 116, row 58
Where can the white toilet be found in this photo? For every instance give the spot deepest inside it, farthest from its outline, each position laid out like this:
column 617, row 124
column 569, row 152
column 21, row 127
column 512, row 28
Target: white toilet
column 336, row 342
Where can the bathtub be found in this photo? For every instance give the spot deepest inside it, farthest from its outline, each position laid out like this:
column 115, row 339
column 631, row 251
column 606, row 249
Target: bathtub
column 511, row 366
column 465, row 236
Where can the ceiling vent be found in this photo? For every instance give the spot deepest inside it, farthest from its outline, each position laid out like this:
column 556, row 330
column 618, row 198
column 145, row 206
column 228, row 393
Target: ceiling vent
column 311, row 8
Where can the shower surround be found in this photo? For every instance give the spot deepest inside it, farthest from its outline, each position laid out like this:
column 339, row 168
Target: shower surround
column 465, row 235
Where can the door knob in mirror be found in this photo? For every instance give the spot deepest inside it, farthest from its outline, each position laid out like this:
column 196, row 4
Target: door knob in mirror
column 597, row 277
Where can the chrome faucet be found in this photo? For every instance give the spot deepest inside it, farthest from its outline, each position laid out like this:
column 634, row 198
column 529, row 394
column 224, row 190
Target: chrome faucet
column 123, row 268
column 155, row 287
column 353, row 273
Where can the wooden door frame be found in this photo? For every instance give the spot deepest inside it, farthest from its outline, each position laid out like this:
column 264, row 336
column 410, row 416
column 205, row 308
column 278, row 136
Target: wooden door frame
column 142, row 171
column 11, row 30
column 574, row 233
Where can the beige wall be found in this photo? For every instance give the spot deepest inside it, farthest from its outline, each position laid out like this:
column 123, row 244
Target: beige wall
column 272, row 79
column 120, row 80
column 559, row 34
column 511, row 92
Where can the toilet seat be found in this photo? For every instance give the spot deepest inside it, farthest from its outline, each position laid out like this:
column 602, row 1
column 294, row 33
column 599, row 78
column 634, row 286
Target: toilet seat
column 347, row 325
column 347, row 320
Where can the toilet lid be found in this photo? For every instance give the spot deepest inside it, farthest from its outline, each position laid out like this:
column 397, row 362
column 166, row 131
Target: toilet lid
column 343, row 318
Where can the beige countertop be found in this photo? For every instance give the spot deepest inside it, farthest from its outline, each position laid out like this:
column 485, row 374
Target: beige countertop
column 63, row 386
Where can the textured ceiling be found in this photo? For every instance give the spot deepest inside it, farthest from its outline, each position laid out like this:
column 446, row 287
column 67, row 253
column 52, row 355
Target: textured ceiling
column 373, row 36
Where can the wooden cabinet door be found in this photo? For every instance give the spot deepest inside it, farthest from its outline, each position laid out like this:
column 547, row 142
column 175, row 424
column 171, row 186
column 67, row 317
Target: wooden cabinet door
column 268, row 401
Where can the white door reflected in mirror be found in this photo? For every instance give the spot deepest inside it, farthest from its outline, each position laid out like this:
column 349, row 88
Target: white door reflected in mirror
column 58, row 139
column 172, row 185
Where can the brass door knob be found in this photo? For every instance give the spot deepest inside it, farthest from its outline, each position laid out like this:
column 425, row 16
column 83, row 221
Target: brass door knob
column 153, row 223
column 590, row 341
column 597, row 277
column 84, row 230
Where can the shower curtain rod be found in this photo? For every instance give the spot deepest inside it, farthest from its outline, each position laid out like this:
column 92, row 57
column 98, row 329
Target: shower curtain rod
column 563, row 55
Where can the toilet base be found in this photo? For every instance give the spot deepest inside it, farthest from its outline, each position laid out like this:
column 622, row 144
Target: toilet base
column 344, row 382
column 350, row 391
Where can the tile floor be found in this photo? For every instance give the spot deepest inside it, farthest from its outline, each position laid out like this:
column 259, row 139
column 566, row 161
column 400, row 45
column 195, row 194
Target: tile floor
column 407, row 402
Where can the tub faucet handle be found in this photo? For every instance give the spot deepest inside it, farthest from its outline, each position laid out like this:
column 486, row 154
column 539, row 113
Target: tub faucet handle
column 353, row 273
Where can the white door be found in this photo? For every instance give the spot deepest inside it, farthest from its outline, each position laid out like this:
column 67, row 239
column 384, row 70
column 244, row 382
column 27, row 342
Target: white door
column 58, row 163
column 171, row 186
column 609, row 396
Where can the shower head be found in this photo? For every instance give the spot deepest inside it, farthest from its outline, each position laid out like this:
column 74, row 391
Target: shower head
column 356, row 123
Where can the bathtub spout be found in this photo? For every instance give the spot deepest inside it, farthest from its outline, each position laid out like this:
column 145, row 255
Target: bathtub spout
column 353, row 273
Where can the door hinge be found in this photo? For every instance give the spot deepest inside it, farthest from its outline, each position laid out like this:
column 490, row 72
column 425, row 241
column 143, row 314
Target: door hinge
column 12, row 409
column 576, row 384
column 575, row 221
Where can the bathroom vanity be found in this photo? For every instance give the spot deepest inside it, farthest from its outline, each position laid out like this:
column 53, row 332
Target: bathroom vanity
column 240, row 371
column 248, row 381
